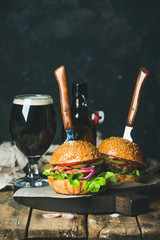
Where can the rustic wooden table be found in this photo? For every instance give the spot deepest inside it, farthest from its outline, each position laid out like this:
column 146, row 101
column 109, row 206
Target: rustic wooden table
column 21, row 222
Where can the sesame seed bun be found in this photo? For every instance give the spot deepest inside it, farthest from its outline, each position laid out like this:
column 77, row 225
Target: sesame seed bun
column 75, row 151
column 126, row 178
column 122, row 148
column 63, row 186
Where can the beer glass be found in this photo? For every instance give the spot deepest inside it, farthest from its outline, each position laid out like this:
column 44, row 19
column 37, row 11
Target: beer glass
column 32, row 128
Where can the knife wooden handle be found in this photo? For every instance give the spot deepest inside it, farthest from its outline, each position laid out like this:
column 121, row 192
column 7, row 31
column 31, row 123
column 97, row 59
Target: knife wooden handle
column 141, row 79
column 60, row 75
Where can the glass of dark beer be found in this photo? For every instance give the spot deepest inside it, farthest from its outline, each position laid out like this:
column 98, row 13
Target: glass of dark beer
column 32, row 128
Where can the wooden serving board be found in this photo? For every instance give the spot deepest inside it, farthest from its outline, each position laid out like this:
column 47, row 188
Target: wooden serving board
column 129, row 202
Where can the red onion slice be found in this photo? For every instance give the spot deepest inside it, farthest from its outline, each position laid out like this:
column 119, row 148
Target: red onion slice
column 52, row 215
column 90, row 174
column 68, row 216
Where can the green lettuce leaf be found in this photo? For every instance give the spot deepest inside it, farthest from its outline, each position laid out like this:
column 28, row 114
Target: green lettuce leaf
column 109, row 176
column 134, row 172
column 92, row 184
column 62, row 175
column 74, row 178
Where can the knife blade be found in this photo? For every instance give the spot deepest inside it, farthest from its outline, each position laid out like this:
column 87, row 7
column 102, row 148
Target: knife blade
column 60, row 75
column 141, row 79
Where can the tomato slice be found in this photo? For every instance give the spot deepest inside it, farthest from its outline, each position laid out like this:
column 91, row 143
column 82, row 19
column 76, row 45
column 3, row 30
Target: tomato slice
column 76, row 163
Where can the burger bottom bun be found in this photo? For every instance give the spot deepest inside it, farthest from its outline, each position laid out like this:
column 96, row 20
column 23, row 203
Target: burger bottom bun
column 64, row 187
column 126, row 178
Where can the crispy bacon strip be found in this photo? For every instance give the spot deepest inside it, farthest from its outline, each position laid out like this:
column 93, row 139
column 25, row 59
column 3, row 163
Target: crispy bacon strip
column 69, row 170
column 77, row 170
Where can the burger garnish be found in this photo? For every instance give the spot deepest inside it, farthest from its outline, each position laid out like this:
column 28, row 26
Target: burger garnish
column 77, row 164
column 122, row 166
column 124, row 158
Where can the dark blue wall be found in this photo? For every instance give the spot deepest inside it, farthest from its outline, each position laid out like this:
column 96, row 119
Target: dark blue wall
column 101, row 42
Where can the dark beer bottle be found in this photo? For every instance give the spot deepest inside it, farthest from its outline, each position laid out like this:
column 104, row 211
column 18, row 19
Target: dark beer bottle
column 83, row 126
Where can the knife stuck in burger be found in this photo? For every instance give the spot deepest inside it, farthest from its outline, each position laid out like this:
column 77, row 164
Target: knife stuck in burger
column 76, row 167
column 141, row 79
column 122, row 156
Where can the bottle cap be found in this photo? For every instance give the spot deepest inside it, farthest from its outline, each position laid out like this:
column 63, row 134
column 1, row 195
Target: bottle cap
column 79, row 88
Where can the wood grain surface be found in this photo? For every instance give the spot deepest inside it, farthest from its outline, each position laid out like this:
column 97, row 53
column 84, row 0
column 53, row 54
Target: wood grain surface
column 123, row 201
column 142, row 227
column 16, row 224
column 56, row 227
column 112, row 227
column 150, row 223
column 13, row 217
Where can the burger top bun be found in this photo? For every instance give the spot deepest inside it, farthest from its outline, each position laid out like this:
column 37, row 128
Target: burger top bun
column 75, row 151
column 122, row 148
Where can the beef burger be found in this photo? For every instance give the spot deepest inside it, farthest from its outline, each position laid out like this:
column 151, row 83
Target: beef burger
column 76, row 168
column 124, row 158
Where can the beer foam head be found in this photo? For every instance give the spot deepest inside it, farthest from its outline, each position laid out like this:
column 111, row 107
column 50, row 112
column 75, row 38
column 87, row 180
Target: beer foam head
column 33, row 99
